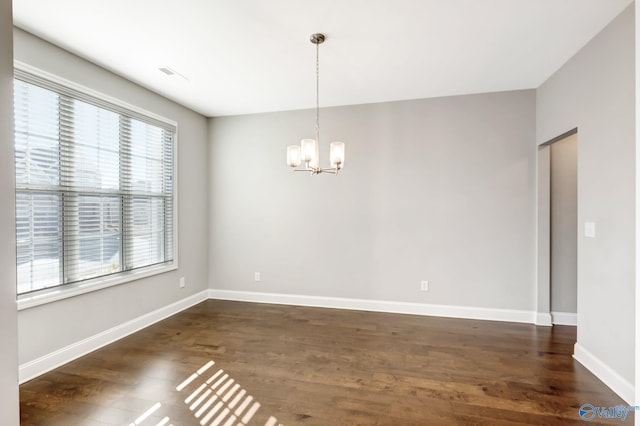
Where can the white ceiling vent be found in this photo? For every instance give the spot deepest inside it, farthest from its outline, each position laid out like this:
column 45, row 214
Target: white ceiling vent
column 170, row 72
column 167, row 70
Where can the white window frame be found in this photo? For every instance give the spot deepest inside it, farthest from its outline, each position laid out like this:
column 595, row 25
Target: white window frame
column 53, row 294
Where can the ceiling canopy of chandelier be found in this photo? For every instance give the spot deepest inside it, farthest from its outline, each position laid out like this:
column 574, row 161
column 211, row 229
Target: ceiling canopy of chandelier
column 306, row 156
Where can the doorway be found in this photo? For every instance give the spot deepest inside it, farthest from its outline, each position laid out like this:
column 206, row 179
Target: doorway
column 557, row 230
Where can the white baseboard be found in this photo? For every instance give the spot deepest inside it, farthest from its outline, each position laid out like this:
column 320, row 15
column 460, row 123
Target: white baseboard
column 32, row 369
column 602, row 371
column 543, row 319
column 564, row 318
column 466, row 312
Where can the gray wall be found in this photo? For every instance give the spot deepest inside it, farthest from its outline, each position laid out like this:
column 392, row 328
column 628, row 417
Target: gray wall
column 594, row 92
column 46, row 328
column 438, row 189
column 564, row 225
column 8, row 313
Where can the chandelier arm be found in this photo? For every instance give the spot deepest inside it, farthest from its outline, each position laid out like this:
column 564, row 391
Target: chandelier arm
column 316, row 170
column 331, row 170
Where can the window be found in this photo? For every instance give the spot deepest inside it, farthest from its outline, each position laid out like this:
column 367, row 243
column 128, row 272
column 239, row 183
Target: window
column 94, row 187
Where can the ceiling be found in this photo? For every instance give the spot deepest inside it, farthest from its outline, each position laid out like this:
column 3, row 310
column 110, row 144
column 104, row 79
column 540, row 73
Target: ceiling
column 249, row 56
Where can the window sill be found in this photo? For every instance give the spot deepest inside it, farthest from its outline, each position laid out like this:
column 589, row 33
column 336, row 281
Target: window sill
column 54, row 294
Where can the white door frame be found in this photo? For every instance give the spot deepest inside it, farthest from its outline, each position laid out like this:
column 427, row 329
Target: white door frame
column 543, row 230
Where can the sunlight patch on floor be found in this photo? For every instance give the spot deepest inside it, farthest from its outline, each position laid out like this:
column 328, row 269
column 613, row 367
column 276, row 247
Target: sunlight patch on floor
column 148, row 413
column 218, row 400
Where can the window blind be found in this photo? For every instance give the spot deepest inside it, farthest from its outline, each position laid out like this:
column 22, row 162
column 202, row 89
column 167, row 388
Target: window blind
column 94, row 186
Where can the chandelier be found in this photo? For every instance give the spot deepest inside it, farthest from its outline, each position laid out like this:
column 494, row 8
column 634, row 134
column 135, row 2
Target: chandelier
column 306, row 156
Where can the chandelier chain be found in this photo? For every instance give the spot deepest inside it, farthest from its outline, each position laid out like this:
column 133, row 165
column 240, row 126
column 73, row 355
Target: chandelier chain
column 318, row 93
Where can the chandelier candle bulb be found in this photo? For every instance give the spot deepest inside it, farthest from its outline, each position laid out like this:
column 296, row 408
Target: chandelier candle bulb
column 315, row 161
column 308, row 147
column 336, row 154
column 293, row 155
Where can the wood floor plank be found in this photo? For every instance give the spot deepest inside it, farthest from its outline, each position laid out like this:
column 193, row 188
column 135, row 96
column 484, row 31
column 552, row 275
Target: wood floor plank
column 315, row 366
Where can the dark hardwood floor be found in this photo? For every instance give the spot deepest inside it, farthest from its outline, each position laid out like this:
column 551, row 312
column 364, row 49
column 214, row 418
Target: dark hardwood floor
column 314, row 366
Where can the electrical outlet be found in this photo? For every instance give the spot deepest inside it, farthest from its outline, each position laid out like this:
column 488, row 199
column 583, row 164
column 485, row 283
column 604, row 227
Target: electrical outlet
column 182, row 282
column 424, row 285
column 256, row 276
